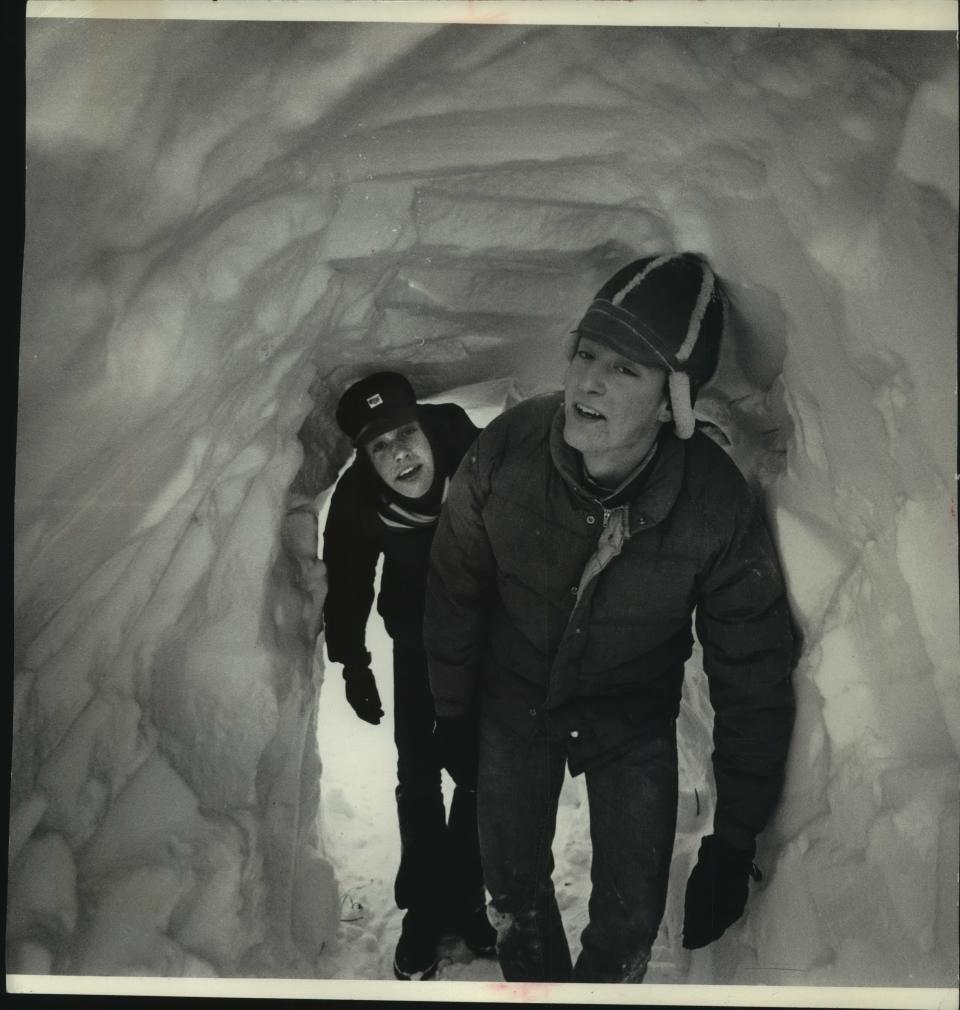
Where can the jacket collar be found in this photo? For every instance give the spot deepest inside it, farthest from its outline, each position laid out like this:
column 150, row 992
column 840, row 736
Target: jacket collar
column 656, row 497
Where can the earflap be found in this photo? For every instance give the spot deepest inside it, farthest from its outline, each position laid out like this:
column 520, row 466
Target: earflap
column 681, row 405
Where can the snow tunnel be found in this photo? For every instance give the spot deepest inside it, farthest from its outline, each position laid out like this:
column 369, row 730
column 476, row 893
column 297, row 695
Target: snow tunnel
column 226, row 222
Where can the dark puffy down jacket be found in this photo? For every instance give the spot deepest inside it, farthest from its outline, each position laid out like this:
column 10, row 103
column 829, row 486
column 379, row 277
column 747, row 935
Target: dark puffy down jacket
column 354, row 537
column 511, row 620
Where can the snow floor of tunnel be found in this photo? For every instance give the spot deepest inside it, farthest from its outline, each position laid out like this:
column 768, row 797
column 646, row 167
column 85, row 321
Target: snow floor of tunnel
column 359, row 832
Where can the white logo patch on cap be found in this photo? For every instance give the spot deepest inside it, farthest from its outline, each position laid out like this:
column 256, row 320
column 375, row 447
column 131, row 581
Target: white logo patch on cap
column 374, row 401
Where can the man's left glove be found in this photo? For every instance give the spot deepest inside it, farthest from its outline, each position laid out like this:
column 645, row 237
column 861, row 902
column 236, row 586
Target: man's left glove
column 716, row 891
column 362, row 693
column 456, row 738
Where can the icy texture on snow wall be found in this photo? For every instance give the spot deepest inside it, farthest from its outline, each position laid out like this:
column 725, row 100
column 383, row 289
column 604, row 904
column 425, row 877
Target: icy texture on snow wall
column 223, row 221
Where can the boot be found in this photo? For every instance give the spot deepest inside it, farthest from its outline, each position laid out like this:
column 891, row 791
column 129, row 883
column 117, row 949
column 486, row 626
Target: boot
column 474, row 928
column 416, row 954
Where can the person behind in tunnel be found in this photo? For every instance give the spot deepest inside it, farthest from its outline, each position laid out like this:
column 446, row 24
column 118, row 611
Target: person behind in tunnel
column 388, row 502
column 580, row 535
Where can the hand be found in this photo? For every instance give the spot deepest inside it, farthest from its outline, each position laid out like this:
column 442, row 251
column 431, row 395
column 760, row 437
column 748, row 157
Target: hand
column 298, row 536
column 311, row 580
column 298, row 533
column 716, row 891
column 362, row 693
column 457, row 744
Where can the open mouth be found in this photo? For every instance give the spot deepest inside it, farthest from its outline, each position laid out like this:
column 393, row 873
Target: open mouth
column 587, row 413
column 409, row 472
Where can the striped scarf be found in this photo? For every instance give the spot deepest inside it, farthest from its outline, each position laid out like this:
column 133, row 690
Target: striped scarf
column 397, row 517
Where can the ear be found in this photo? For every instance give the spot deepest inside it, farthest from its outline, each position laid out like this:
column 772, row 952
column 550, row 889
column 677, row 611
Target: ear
column 570, row 342
column 665, row 414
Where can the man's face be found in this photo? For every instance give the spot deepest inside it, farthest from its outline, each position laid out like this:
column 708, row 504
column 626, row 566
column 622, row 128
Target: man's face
column 613, row 408
column 403, row 459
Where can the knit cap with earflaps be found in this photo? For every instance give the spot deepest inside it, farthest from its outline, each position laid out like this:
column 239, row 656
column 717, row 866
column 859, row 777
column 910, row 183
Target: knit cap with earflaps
column 665, row 311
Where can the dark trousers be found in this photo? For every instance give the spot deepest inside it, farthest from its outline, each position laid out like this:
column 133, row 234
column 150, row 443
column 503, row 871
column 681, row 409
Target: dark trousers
column 439, row 872
column 633, row 812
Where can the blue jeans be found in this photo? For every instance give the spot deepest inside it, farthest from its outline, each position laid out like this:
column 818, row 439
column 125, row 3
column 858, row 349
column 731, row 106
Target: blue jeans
column 633, row 814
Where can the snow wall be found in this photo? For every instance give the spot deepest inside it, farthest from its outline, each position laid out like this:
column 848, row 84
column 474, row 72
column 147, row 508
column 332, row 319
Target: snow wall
column 225, row 222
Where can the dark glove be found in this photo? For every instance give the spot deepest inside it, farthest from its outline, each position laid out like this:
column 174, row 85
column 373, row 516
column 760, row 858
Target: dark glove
column 362, row 693
column 457, row 745
column 716, row 891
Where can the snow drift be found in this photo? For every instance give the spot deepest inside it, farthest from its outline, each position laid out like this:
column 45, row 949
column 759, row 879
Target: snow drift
column 224, row 221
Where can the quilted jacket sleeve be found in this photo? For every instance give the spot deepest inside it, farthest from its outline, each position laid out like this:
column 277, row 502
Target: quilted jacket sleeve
column 351, row 561
column 749, row 648
column 460, row 586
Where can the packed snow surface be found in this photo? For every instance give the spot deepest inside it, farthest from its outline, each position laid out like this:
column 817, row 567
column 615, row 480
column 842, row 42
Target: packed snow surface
column 227, row 222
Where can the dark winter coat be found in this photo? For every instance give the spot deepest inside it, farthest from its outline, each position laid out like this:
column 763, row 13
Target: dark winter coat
column 354, row 538
column 512, row 616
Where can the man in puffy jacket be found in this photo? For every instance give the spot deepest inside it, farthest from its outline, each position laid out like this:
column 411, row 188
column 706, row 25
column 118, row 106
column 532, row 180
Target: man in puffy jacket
column 581, row 534
column 388, row 502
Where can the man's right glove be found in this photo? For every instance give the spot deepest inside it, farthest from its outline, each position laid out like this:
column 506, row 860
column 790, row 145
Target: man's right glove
column 362, row 693
column 716, row 891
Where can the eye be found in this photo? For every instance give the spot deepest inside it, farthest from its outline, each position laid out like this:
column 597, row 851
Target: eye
column 624, row 370
column 584, row 354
